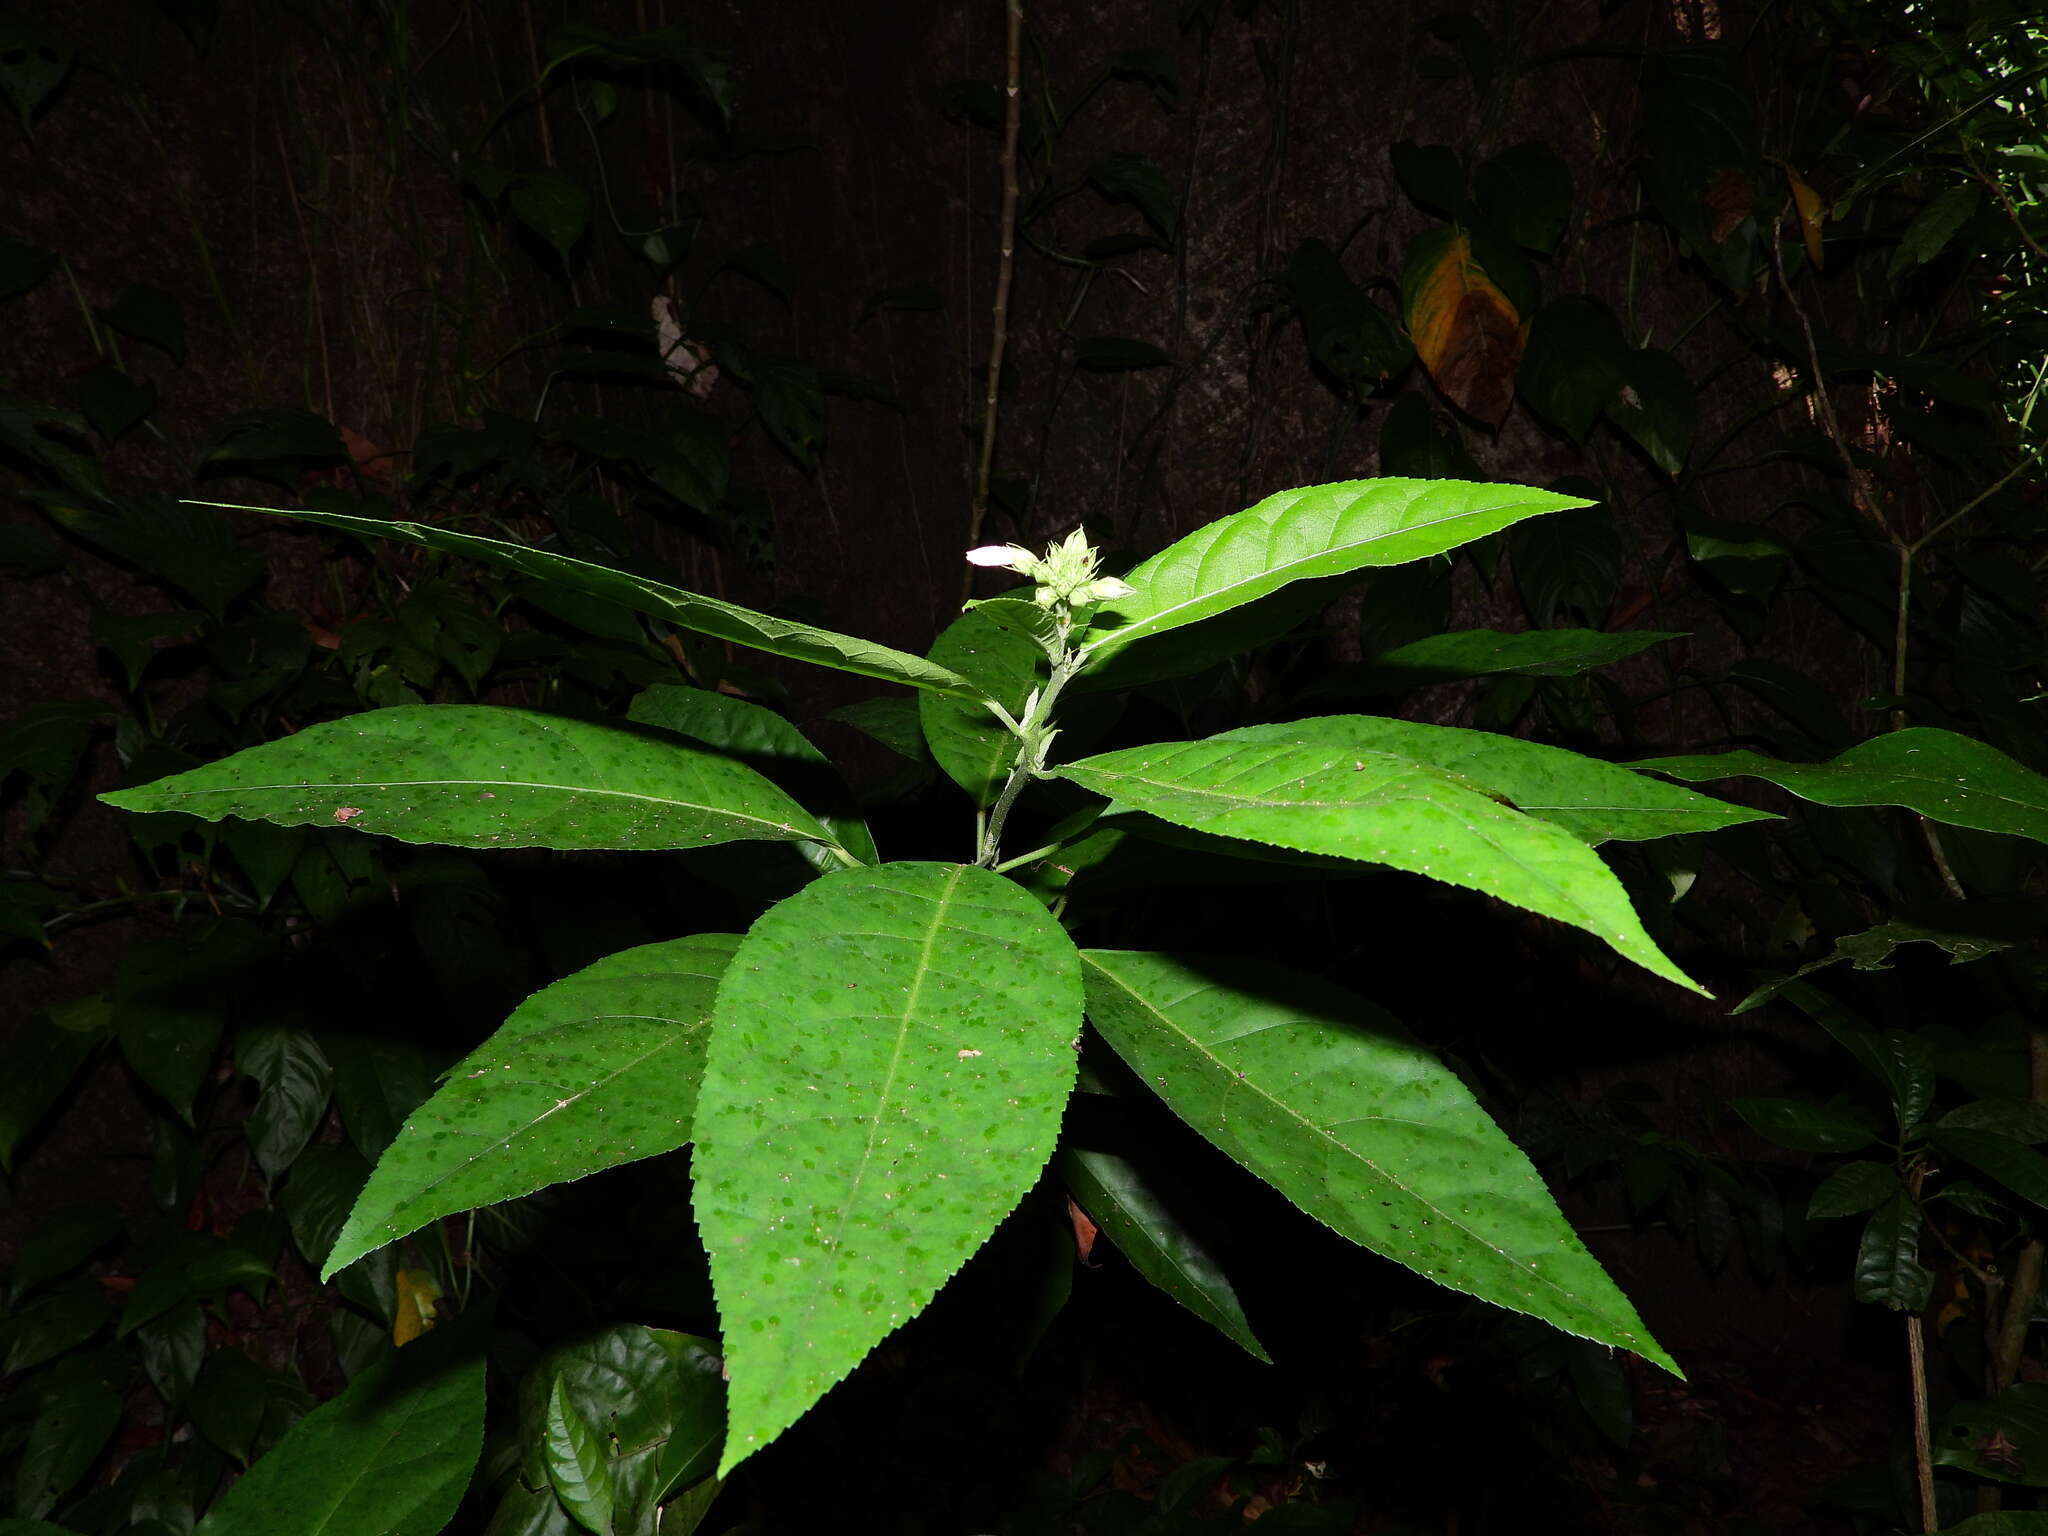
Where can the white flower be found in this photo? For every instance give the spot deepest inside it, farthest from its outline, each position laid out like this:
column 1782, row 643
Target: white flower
column 1009, row 556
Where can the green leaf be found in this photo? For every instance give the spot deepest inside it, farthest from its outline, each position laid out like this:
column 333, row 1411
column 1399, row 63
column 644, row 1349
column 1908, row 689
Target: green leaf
column 890, row 1055
column 1871, row 950
column 62, row 1242
column 228, row 1400
column 150, row 315
column 1378, row 808
column 1945, row 777
column 1802, row 1126
column 46, row 1056
column 657, row 1403
column 33, row 63
column 53, row 1325
column 1657, row 406
column 1489, row 653
column 192, row 1268
column 686, row 610
column 23, row 267
column 2019, row 1168
column 390, row 1456
column 1138, row 180
column 1131, row 1208
column 1591, row 799
column 1888, row 1268
column 1852, row 1189
column 1934, row 226
column 600, row 1068
column 168, row 1008
column 1526, row 193
column 577, row 1468
column 553, row 206
column 113, row 402
column 1328, row 1100
column 294, row 1078
column 1323, row 530
column 76, row 1415
column 478, row 776
column 324, row 1186
column 996, row 646
column 2005, row 1439
column 2000, row 1522
column 771, row 746
column 2019, row 1119
column 1350, row 337
column 1573, row 365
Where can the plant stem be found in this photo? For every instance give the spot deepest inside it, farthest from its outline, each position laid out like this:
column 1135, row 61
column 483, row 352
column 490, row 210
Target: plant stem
column 1034, row 737
column 1916, row 1362
column 1013, row 113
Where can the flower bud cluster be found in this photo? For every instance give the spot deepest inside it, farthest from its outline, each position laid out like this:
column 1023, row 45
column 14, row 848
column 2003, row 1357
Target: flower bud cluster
column 1065, row 574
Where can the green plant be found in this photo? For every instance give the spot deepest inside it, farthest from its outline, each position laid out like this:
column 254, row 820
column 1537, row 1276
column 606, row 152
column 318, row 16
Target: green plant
column 877, row 1071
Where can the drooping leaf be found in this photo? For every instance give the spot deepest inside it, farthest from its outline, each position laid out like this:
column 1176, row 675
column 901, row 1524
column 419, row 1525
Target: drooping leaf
column 1378, row 808
column 1658, row 406
column 1901, row 1060
column 1132, row 1210
column 1327, row 1099
column 23, row 267
column 1852, row 1189
column 770, row 745
column 1466, row 331
column 479, row 776
column 686, row 610
column 995, row 646
column 2019, row 1168
column 1321, row 530
column 1575, row 363
column 323, row 1188
column 1944, row 776
column 1871, row 950
column 389, row 1457
column 2021, row 1120
column 1526, row 193
column 1489, row 653
column 577, row 1467
column 1803, row 1126
column 294, row 1079
column 2004, row 1438
column 1591, row 799
column 1888, row 1268
column 1431, row 176
column 1350, row 337
column 194, row 1267
column 1935, row 225
column 150, row 315
column 890, row 1054
column 554, row 206
column 1138, row 180
column 48, row 1052
column 62, row 1242
column 657, row 1403
column 598, row 1069
column 76, row 1413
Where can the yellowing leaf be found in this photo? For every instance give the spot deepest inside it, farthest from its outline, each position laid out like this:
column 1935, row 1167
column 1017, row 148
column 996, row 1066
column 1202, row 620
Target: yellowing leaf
column 1466, row 332
column 417, row 1294
column 1807, row 201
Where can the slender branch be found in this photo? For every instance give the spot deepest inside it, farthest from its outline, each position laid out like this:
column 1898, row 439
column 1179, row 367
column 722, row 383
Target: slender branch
column 1013, row 114
column 1916, row 1360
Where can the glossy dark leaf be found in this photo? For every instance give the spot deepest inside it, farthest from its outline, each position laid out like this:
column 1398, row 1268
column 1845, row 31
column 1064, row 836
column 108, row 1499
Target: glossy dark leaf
column 996, row 645
column 1803, row 1126
column 76, row 1413
column 1525, row 192
column 1852, row 1189
column 293, row 1079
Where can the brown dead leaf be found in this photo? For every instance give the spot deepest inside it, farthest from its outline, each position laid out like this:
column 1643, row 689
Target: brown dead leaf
column 1729, row 198
column 372, row 462
column 1084, row 1230
column 1467, row 334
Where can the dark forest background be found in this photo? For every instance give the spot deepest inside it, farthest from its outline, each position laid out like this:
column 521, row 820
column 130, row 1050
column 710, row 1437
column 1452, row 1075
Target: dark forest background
column 707, row 290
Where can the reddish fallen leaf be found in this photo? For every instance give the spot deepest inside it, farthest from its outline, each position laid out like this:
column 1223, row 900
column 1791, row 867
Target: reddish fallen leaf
column 117, row 1285
column 372, row 462
column 1084, row 1231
